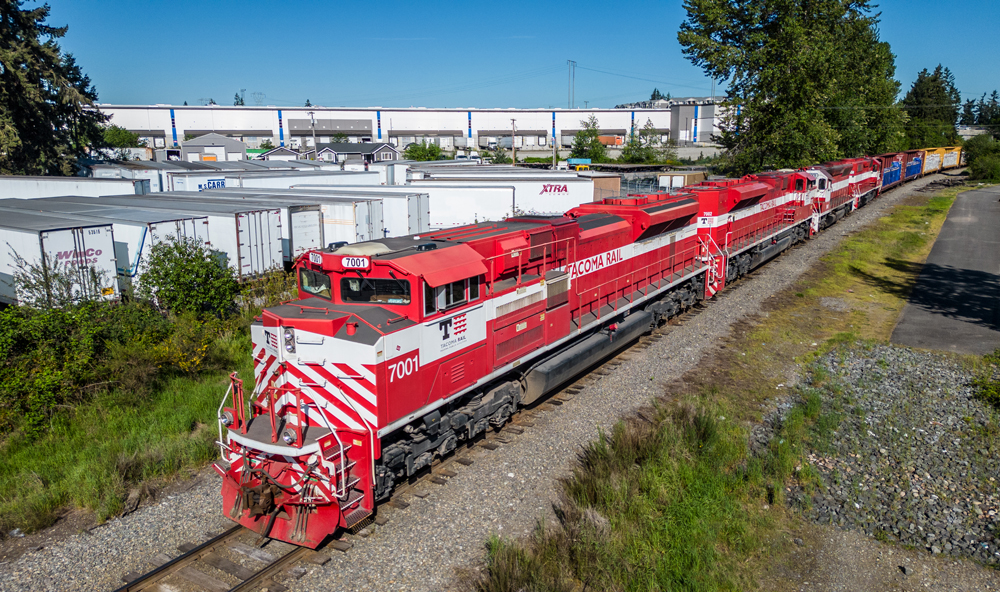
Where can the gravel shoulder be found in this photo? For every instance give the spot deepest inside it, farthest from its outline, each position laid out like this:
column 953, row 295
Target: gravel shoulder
column 914, row 457
column 504, row 492
column 909, row 493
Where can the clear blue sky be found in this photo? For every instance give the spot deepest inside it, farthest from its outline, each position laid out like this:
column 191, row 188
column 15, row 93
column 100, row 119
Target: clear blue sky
column 449, row 54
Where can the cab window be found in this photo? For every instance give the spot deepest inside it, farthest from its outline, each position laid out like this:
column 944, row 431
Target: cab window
column 314, row 283
column 822, row 183
column 373, row 290
column 450, row 295
column 799, row 184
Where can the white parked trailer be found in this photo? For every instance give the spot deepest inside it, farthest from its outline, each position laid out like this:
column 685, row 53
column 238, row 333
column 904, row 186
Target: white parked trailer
column 455, row 204
column 403, row 212
column 301, row 220
column 136, row 231
column 350, row 219
column 24, row 187
column 83, row 248
column 532, row 195
column 248, row 236
column 284, row 180
column 155, row 172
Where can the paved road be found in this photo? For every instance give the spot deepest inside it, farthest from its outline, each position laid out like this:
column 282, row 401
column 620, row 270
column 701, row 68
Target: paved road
column 955, row 305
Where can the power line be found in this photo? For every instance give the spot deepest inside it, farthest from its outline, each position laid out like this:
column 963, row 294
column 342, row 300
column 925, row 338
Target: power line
column 641, row 78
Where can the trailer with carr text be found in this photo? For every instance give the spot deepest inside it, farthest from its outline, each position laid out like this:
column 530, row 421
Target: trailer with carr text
column 246, row 236
column 84, row 250
column 136, row 231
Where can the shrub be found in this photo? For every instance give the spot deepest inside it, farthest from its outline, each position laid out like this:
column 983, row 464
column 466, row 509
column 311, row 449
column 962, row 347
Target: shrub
column 51, row 358
column 987, row 387
column 986, row 168
column 185, row 276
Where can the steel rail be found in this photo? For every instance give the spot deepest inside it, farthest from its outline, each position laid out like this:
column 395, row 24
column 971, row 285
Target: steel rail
column 272, row 569
column 152, row 577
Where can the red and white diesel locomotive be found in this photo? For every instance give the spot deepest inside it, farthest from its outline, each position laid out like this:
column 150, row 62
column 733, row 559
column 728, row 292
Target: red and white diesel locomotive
column 399, row 349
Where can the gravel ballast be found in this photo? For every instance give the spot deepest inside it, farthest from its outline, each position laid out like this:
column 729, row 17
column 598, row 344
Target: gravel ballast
column 914, row 457
column 504, row 492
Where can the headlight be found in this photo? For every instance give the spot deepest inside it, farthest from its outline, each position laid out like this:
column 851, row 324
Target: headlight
column 226, row 418
column 288, row 436
column 290, row 340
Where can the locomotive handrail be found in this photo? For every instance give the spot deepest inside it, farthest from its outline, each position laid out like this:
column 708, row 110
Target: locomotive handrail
column 520, row 258
column 371, row 435
column 342, row 485
column 218, row 415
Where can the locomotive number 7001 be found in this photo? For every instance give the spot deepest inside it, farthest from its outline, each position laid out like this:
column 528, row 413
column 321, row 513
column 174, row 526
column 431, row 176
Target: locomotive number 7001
column 403, row 368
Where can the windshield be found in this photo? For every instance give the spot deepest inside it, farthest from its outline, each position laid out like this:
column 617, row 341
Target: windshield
column 380, row 291
column 315, row 283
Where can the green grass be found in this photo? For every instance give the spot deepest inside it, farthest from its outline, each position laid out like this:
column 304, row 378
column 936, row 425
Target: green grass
column 95, row 453
column 673, row 501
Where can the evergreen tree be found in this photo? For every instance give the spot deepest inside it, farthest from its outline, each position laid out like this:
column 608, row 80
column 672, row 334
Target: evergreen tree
column 308, row 104
column 808, row 81
column 968, row 113
column 933, row 107
column 47, row 119
column 238, row 101
column 656, row 96
column 988, row 113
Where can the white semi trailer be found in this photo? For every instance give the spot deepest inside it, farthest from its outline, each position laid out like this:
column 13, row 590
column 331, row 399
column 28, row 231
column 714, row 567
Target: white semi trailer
column 403, row 212
column 532, row 195
column 24, row 187
column 284, row 180
column 454, row 204
column 136, row 231
column 353, row 219
column 248, row 236
column 82, row 249
column 301, row 220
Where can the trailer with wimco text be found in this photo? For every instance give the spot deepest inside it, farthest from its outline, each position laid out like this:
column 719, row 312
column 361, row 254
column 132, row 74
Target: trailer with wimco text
column 136, row 231
column 83, row 250
column 246, row 236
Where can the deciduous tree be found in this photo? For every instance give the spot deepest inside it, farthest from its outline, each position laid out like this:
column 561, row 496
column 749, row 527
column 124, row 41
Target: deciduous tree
column 47, row 119
column 587, row 143
column 807, row 81
column 422, row 151
column 644, row 146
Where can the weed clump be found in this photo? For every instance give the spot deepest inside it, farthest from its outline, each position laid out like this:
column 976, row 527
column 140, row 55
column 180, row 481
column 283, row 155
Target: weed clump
column 987, row 386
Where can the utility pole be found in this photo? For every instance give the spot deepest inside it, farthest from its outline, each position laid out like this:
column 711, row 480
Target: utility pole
column 586, row 104
column 555, row 153
column 571, row 90
column 513, row 143
column 312, row 124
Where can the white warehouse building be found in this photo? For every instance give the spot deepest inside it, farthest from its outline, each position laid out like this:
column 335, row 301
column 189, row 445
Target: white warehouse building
column 686, row 121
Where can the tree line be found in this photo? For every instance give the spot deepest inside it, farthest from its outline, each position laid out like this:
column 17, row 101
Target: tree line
column 813, row 81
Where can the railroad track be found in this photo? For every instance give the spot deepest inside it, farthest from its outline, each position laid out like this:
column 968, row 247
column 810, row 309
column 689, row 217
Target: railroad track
column 206, row 566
